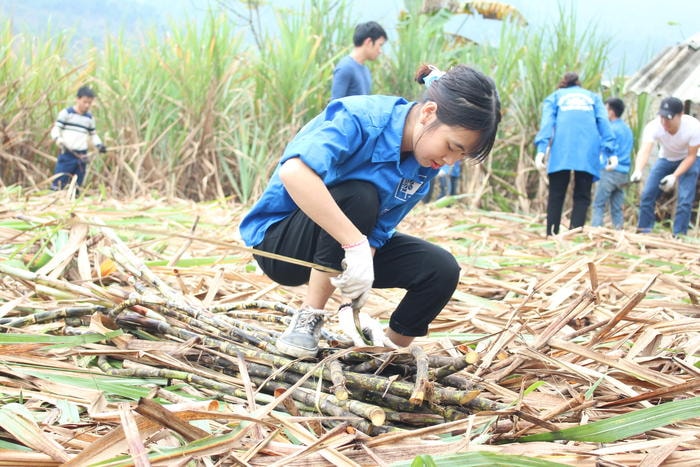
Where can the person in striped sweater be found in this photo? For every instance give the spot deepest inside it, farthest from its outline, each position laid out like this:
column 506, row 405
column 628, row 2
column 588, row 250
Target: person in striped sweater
column 72, row 132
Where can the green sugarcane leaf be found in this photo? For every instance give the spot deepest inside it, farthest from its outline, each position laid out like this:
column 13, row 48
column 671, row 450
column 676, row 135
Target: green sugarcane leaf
column 15, row 263
column 58, row 341
column 481, row 262
column 592, row 389
column 19, row 421
column 533, row 387
column 112, row 386
column 475, row 300
column 626, row 425
column 193, row 262
column 163, row 454
column 70, row 412
column 13, row 446
column 477, row 459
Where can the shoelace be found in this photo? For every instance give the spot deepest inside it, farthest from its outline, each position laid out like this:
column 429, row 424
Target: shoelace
column 307, row 321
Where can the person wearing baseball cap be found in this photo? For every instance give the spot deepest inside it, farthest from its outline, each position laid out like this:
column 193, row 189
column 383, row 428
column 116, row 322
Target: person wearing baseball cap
column 670, row 107
column 678, row 138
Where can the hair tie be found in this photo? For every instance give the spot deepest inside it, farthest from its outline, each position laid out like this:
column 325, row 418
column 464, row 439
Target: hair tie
column 434, row 75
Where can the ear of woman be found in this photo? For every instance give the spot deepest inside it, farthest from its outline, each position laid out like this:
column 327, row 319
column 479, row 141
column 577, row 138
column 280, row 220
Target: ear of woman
column 427, row 113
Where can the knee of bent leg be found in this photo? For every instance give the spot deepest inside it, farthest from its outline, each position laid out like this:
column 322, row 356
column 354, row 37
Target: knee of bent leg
column 445, row 268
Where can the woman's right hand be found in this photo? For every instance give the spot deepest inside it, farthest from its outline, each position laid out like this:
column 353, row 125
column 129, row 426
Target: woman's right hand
column 358, row 272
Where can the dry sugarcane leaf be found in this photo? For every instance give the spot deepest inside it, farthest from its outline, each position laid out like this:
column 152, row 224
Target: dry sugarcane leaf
column 19, row 422
column 58, row 263
column 12, row 458
column 331, row 454
column 137, row 450
column 502, row 257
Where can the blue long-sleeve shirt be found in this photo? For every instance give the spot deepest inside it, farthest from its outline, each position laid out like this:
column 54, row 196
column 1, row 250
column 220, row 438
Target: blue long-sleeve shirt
column 575, row 122
column 354, row 138
column 350, row 78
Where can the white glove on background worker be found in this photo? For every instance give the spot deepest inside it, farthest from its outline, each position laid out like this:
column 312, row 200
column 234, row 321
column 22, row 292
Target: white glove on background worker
column 540, row 164
column 636, row 176
column 357, row 277
column 612, row 163
column 371, row 328
column 667, row 183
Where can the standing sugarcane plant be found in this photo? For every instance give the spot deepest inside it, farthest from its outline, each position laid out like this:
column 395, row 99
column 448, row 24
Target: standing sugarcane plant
column 197, row 113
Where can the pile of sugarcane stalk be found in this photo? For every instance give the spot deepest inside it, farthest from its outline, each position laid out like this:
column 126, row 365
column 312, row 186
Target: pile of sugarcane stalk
column 373, row 389
column 576, row 334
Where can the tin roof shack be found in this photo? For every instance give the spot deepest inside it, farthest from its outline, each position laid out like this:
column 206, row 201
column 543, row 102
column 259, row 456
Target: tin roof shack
column 674, row 72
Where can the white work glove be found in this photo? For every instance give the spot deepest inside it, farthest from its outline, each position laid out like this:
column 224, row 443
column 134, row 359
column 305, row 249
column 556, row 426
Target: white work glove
column 636, row 176
column 358, row 273
column 539, row 161
column 667, row 183
column 371, row 328
column 612, row 163
column 60, row 143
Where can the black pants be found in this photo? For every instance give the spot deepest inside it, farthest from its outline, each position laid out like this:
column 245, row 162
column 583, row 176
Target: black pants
column 558, row 184
column 427, row 272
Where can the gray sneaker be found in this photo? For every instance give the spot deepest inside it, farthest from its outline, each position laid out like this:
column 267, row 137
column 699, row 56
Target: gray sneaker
column 301, row 337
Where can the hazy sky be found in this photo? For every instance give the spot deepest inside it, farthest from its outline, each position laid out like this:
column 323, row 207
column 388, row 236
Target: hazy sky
column 638, row 29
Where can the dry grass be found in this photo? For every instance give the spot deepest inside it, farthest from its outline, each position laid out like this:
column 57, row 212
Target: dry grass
column 569, row 330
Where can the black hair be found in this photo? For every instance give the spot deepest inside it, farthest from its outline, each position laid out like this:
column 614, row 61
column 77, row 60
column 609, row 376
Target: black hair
column 85, row 91
column 570, row 79
column 466, row 98
column 371, row 30
column 617, row 105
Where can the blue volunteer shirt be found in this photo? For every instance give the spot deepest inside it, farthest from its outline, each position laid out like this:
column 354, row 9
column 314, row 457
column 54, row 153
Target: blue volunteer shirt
column 576, row 123
column 354, row 138
column 623, row 145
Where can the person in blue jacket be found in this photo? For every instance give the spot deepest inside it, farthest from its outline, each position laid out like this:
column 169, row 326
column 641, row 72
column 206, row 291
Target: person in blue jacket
column 574, row 130
column 342, row 186
column 613, row 179
column 351, row 77
column 448, row 180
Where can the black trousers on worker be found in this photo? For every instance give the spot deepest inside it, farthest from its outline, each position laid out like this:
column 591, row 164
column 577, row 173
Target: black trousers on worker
column 427, row 272
column 558, row 184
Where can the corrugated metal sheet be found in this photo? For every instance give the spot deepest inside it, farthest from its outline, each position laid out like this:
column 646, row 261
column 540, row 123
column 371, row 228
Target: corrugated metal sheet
column 674, row 72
